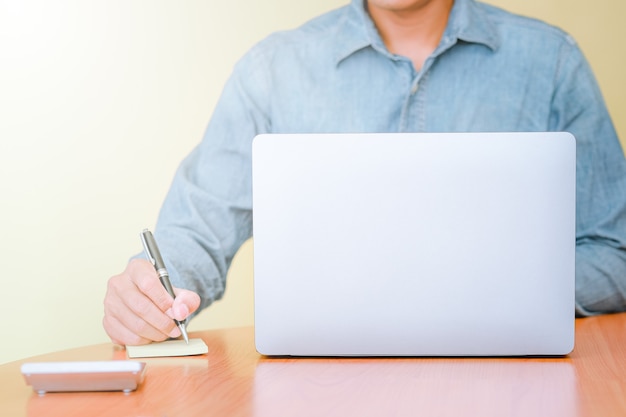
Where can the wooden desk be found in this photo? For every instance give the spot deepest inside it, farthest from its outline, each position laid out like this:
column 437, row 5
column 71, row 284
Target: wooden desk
column 234, row 380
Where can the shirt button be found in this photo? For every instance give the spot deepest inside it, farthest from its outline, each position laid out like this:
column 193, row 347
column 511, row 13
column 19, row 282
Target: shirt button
column 414, row 88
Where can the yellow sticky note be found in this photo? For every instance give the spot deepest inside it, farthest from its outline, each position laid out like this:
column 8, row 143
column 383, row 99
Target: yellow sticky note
column 168, row 348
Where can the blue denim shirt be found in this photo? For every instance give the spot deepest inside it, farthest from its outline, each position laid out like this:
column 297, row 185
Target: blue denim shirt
column 492, row 71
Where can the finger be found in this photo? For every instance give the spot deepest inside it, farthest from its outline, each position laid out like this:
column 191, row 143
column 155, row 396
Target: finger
column 116, row 313
column 145, row 318
column 139, row 315
column 144, row 276
column 120, row 334
column 146, row 279
column 133, row 310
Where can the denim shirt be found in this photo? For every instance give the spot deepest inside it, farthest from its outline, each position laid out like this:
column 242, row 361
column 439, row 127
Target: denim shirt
column 492, row 71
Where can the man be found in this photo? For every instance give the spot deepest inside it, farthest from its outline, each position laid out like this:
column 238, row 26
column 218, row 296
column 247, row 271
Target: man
column 373, row 66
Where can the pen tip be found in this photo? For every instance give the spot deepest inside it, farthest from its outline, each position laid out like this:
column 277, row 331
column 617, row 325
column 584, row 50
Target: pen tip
column 183, row 331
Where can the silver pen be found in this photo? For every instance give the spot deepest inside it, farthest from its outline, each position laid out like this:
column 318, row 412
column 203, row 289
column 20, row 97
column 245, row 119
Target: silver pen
column 152, row 252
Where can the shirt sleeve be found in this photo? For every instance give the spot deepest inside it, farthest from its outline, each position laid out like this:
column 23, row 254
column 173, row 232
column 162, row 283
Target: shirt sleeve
column 207, row 213
column 578, row 107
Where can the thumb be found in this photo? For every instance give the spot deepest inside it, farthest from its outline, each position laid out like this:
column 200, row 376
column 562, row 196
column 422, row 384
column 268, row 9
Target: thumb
column 185, row 303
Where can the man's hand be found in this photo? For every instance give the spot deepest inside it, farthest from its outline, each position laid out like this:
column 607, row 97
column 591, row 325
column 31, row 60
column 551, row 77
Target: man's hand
column 138, row 309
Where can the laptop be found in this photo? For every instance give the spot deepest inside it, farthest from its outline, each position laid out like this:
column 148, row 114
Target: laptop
column 414, row 244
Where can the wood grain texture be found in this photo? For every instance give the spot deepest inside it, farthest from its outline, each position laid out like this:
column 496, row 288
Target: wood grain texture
column 234, row 380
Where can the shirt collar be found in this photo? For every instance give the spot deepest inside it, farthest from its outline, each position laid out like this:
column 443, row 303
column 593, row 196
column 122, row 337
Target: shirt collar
column 468, row 22
column 356, row 31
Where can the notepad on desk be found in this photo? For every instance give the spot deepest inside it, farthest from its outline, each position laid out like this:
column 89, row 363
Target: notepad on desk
column 168, row 348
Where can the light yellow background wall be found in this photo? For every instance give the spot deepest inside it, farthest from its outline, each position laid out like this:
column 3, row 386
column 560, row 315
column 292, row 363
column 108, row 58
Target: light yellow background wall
column 100, row 100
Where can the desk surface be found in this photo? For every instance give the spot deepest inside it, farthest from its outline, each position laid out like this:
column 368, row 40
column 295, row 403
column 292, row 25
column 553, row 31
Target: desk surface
column 234, row 380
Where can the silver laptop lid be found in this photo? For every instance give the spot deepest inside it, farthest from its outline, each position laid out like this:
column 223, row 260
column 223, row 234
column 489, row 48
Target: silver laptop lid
column 414, row 244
